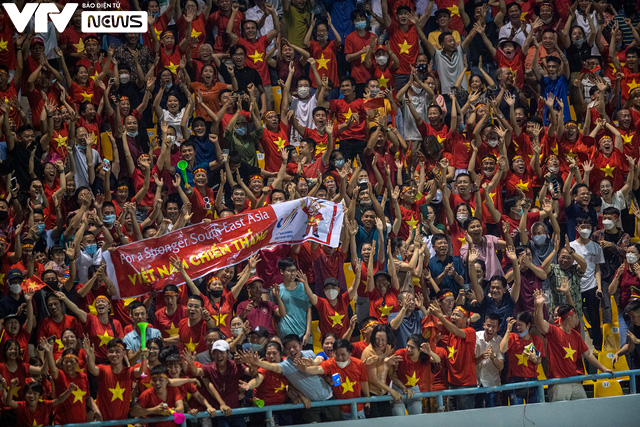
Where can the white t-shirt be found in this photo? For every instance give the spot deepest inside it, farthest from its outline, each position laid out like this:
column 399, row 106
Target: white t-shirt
column 174, row 121
column 82, row 171
column 487, row 373
column 592, row 253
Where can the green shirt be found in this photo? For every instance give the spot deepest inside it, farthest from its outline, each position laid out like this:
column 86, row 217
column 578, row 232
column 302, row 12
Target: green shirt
column 245, row 146
column 298, row 24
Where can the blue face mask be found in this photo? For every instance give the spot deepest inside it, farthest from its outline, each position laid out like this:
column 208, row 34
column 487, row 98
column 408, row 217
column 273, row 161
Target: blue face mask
column 523, row 333
column 132, row 135
column 40, row 228
column 241, row 131
column 156, row 14
column 520, row 211
column 169, row 85
column 339, row 163
column 360, row 25
column 91, row 249
column 109, row 219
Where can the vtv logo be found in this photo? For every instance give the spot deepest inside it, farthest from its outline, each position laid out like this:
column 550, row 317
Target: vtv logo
column 42, row 11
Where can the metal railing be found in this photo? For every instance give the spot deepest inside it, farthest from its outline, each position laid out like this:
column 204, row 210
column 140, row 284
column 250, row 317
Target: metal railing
column 439, row 395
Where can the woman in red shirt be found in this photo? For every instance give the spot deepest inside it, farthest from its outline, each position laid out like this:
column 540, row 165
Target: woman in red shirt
column 32, row 411
column 15, row 368
column 412, row 374
column 202, row 198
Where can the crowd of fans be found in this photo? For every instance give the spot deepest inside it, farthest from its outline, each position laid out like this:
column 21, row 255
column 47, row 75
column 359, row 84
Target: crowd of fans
column 485, row 153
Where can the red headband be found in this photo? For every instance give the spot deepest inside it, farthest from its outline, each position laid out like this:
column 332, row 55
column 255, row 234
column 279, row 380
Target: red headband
column 446, row 294
column 465, row 312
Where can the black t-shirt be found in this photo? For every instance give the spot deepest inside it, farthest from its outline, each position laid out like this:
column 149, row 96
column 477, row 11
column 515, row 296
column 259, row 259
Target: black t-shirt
column 244, row 76
column 18, row 162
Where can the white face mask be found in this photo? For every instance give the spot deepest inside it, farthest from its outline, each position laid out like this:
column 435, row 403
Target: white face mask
column 332, row 293
column 374, row 91
column 303, row 91
column 554, row 169
column 417, row 90
column 343, row 365
column 462, row 218
column 236, row 331
column 632, row 258
column 16, row 289
column 585, row 233
column 125, row 78
column 539, row 239
column 493, row 142
column 389, row 227
column 381, row 60
column 608, row 224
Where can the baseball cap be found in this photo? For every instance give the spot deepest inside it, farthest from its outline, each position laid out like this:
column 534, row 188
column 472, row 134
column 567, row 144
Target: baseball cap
column 221, row 345
column 261, row 331
column 331, row 281
column 254, row 279
column 15, row 273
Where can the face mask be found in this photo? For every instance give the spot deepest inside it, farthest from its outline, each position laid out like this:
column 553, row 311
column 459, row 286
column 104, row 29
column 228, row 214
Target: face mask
column 40, row 228
column 585, row 233
column 462, row 217
column 422, row 68
column 53, row 284
column 520, row 211
column 169, row 85
column 156, row 14
column 322, row 38
column 82, row 147
column 303, row 92
column 339, row 163
column 343, row 365
column 579, row 43
column 632, row 258
column 374, row 91
column 608, row 224
column 366, row 205
column 554, row 169
column 132, row 135
column 16, row 288
column 91, row 249
column 547, row 21
column 125, row 78
column 361, row 25
column 241, row 131
column 417, row 90
column 539, row 239
column 389, row 228
column 493, row 142
column 236, row 331
column 332, row 293
column 217, row 293
column 256, row 347
column 382, row 60
column 523, row 333
column 109, row 219
column 363, row 181
column 4, row 215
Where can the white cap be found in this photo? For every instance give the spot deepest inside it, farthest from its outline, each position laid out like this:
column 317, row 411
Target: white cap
column 221, row 345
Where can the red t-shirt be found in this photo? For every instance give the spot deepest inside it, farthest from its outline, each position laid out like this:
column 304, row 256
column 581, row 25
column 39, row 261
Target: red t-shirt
column 565, row 353
column 326, row 62
column 440, row 373
column 26, row 418
column 256, row 57
column 22, row 337
column 202, row 206
column 167, row 324
column 149, row 399
column 461, row 358
column 100, row 334
column 114, row 392
column 272, row 143
column 334, row 318
column 414, row 373
column 405, row 45
column 611, row 167
column 222, row 312
column 515, row 64
column 74, row 409
column 350, row 378
column 222, row 42
column 198, row 31
column 354, row 43
column 519, row 363
column 227, row 383
column 193, row 337
column 343, row 110
column 273, row 389
column 358, row 348
column 380, row 307
column 524, row 183
column 22, row 374
column 48, row 327
column 532, row 218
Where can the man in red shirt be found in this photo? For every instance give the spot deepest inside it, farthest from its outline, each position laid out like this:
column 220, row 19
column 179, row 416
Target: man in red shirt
column 57, row 321
column 565, row 349
column 159, row 400
column 193, row 329
column 461, row 357
column 169, row 316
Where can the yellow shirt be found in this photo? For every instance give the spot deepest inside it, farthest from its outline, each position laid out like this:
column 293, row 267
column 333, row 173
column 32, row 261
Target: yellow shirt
column 433, row 38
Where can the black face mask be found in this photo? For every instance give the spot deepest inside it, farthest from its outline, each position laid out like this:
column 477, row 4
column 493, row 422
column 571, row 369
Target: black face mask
column 216, row 293
column 53, row 284
column 4, row 215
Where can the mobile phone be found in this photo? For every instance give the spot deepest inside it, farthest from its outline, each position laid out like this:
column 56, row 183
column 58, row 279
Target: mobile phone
column 14, row 183
column 466, row 287
column 105, row 165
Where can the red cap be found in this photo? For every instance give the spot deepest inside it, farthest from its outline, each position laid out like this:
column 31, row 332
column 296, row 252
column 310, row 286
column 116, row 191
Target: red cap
column 381, row 47
column 254, row 279
column 37, row 40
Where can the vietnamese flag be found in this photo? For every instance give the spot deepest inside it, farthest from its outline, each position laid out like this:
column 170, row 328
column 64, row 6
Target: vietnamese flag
column 33, row 284
column 373, row 103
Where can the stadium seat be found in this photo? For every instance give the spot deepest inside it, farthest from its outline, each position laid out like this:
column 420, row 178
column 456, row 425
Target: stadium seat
column 607, row 388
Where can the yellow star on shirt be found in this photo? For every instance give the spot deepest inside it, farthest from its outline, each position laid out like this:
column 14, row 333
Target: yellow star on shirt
column 413, row 223
column 455, row 10
column 440, row 138
column 570, row 351
column 117, row 392
column 452, row 352
column 158, row 31
column 523, row 359
column 79, row 46
column 104, row 339
column 336, row 318
column 281, row 388
column 86, row 96
column 16, row 390
column 172, row 67
column 348, row 114
column 572, row 154
column 194, row 33
column 385, row 310
column 188, row 395
column 554, row 149
column 633, row 85
column 223, row 321
column 362, row 57
column 524, row 186
column 60, row 345
column 347, row 385
column 626, row 139
column 608, row 170
column 127, row 301
column 462, row 240
column 78, row 396
column 172, row 331
column 280, row 143
column 34, row 424
column 383, row 81
column 191, row 345
column 256, row 56
column 404, row 47
column 62, row 141
column 4, row 45
column 412, row 380
column 322, row 62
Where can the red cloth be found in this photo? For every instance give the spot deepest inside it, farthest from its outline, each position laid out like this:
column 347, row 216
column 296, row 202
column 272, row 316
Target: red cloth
column 222, row 42
column 519, row 364
column 100, row 334
column 48, row 327
column 272, row 143
column 72, row 410
column 273, row 389
column 168, row 325
column 461, row 358
column 515, row 64
column 343, row 110
column 193, row 335
column 414, row 373
column 354, row 43
column 377, row 307
column 257, row 50
column 401, row 42
column 350, row 378
column 330, row 68
column 611, row 167
column 149, row 399
column 340, row 314
column 22, row 374
column 114, row 392
column 565, row 352
column 226, row 383
column 26, row 418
